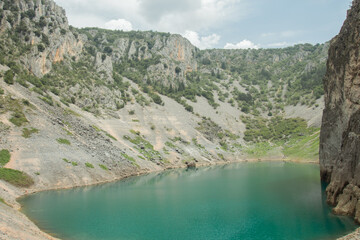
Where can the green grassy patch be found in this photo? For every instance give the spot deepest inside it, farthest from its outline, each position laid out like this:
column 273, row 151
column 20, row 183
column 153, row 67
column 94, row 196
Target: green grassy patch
column 26, row 133
column 298, row 147
column 4, row 157
column 74, row 164
column 143, row 146
column 18, row 118
column 66, row 160
column 15, row 177
column 303, row 147
column 63, row 141
column 195, row 142
column 170, row 145
column 110, row 136
column 130, row 159
column 68, row 111
column 68, row 132
column 96, row 128
column 89, row 165
column 103, row 167
column 261, row 149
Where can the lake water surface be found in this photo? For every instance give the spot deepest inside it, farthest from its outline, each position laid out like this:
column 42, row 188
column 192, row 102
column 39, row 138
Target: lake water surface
column 267, row 200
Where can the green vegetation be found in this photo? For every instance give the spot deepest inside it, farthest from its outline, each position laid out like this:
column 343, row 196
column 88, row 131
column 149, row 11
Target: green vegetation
column 170, row 145
column 130, row 159
column 9, row 77
column 299, row 147
column 110, row 136
column 63, row 141
column 26, row 133
column 195, row 142
column 143, row 146
column 96, row 128
column 103, row 167
column 66, row 160
column 18, row 118
column 304, row 147
column 2, row 200
column 74, row 164
column 277, row 128
column 4, row 157
column 68, row 111
column 89, row 165
column 15, row 177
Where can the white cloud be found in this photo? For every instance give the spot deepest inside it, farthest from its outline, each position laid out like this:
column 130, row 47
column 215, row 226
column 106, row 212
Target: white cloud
column 244, row 44
column 119, row 24
column 160, row 15
column 202, row 42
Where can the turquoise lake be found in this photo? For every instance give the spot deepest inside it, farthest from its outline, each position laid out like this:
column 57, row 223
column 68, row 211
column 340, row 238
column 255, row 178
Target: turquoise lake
column 265, row 200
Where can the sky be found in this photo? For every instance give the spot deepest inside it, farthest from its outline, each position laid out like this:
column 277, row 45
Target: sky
column 226, row 24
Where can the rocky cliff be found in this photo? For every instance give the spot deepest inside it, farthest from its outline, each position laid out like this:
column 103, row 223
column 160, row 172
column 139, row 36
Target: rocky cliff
column 340, row 131
column 41, row 29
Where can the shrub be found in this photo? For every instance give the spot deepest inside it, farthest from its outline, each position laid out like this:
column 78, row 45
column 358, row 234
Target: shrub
column 74, row 163
column 9, row 77
column 156, row 98
column 177, row 70
column 189, row 108
column 41, row 47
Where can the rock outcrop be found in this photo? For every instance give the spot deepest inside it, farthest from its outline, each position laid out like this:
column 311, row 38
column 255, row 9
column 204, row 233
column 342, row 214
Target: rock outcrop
column 43, row 28
column 340, row 132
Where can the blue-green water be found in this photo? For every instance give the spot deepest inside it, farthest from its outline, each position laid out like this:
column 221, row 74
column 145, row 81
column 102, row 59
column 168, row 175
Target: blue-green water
column 237, row 201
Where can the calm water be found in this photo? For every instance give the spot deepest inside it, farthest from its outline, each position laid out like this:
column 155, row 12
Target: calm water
column 237, row 201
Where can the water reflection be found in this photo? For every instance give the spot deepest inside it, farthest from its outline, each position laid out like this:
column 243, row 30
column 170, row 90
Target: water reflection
column 237, row 201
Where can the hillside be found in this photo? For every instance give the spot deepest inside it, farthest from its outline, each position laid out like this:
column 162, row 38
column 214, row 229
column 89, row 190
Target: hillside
column 83, row 106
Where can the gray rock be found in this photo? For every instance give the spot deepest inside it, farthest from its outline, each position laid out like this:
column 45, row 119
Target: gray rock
column 340, row 132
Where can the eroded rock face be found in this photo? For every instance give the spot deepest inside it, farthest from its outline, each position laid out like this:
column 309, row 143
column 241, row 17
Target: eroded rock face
column 340, row 132
column 47, row 26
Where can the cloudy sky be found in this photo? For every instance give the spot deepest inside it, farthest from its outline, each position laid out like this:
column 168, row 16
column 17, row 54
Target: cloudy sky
column 218, row 23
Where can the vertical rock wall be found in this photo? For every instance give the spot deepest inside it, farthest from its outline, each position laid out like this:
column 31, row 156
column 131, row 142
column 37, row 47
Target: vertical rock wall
column 340, row 132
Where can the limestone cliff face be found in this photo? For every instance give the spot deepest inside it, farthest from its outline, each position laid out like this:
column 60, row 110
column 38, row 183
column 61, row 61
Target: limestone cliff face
column 43, row 28
column 340, row 132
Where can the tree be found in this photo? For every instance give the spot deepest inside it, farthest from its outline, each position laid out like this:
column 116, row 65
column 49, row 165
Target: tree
column 177, row 70
column 9, row 77
column 41, row 48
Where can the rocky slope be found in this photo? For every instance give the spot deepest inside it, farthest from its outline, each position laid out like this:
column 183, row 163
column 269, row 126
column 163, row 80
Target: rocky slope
column 84, row 106
column 339, row 139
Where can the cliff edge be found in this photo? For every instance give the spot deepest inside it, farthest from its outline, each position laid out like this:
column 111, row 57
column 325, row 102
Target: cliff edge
column 340, row 131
